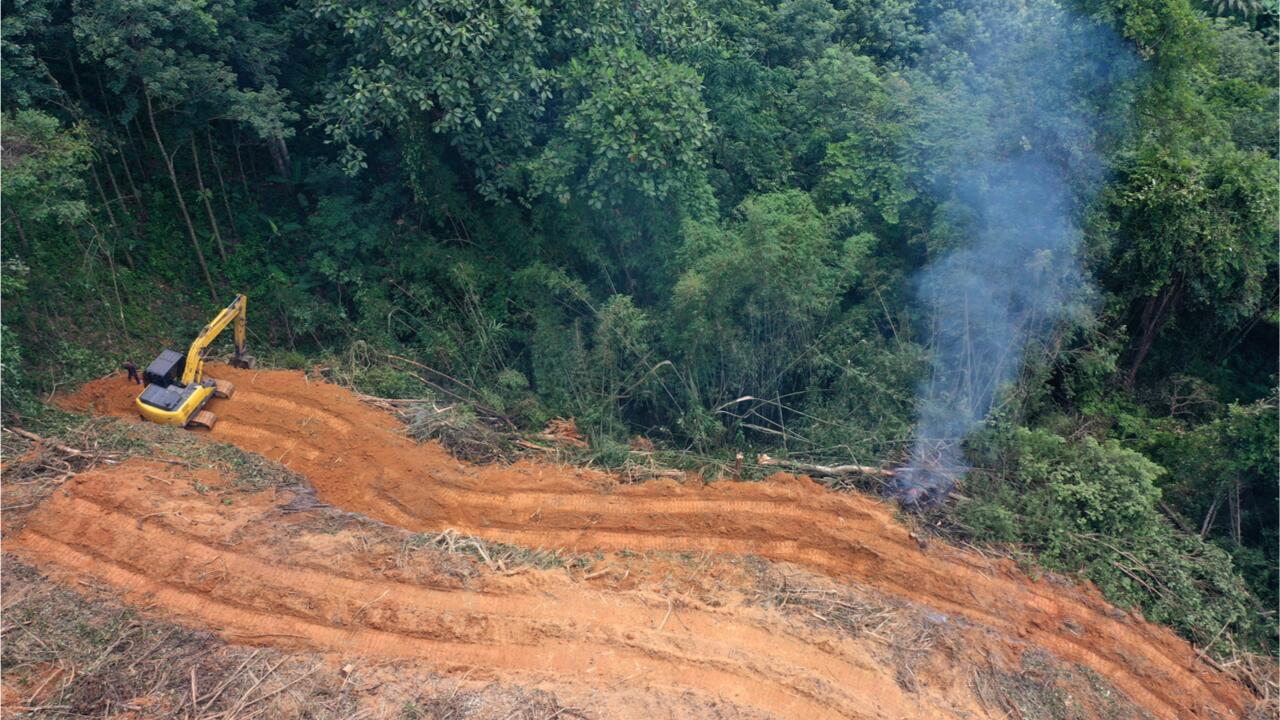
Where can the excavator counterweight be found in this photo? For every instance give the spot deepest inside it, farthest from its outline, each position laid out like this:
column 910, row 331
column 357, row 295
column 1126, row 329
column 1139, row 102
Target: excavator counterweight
column 176, row 388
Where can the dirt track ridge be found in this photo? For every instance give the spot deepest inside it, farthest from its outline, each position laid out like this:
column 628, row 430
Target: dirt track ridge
column 358, row 460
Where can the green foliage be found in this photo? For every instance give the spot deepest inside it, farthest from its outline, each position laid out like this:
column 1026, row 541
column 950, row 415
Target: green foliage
column 471, row 66
column 740, row 318
column 863, row 169
column 637, row 127
column 387, row 382
column 1222, row 478
column 13, row 385
column 184, row 54
column 292, row 360
column 22, row 70
column 1092, row 507
column 861, row 394
column 1200, row 218
column 43, row 181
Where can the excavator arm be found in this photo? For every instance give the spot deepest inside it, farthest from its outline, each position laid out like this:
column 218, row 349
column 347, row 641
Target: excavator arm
column 233, row 313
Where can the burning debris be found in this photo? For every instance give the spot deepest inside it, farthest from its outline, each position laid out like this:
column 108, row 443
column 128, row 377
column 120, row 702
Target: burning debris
column 919, row 488
column 915, row 487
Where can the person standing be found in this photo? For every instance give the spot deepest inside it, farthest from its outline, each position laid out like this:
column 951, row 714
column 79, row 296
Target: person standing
column 133, row 371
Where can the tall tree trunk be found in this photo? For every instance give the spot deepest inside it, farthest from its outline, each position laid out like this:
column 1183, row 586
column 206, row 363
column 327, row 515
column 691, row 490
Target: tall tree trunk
column 222, row 185
column 142, row 157
column 75, row 76
column 253, row 165
column 128, row 177
column 111, row 178
column 204, row 196
column 280, row 156
column 124, row 158
column 1154, row 314
column 1211, row 516
column 111, row 216
column 133, row 226
column 1234, row 505
column 182, row 204
column 137, row 197
column 17, row 224
column 244, row 181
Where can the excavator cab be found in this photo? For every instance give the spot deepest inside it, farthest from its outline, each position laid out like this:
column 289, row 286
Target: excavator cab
column 163, row 389
column 166, row 369
column 176, row 389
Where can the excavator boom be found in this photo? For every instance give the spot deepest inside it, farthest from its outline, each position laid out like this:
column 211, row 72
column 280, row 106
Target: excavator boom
column 235, row 312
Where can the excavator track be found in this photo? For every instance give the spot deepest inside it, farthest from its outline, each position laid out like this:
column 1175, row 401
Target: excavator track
column 203, row 419
column 223, row 388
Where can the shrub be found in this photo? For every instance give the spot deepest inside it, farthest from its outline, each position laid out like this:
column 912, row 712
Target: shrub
column 291, row 360
column 382, row 381
column 1092, row 507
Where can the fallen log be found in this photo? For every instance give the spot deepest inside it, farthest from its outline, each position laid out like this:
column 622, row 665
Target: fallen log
column 824, row 470
column 45, row 441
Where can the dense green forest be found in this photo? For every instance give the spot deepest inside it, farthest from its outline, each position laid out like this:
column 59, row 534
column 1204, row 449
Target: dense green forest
column 726, row 225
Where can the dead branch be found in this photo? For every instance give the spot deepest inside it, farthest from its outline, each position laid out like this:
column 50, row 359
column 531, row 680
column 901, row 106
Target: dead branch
column 824, row 470
column 45, row 441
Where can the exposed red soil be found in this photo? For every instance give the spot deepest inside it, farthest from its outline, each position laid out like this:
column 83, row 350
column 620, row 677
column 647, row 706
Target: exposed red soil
column 358, row 460
column 258, row 575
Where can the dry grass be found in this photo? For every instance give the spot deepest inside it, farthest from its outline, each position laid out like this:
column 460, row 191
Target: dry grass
column 89, row 442
column 79, row 653
column 515, row 704
column 498, row 557
column 853, row 615
column 1261, row 674
column 459, row 430
column 68, row 654
column 909, row 636
column 1051, row 690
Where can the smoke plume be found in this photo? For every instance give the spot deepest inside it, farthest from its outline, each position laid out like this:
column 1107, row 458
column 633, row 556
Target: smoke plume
column 1041, row 93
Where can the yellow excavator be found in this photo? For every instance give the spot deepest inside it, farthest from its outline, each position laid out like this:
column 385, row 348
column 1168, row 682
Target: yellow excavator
column 176, row 389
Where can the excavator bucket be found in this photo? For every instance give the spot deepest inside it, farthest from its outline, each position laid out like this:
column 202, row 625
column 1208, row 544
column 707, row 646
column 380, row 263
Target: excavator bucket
column 203, row 419
column 245, row 362
column 223, row 388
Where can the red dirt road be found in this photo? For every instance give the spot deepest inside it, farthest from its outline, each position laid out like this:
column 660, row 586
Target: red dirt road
column 358, row 460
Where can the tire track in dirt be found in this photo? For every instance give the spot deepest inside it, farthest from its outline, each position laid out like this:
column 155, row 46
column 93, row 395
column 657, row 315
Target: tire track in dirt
column 359, row 460
column 106, row 527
